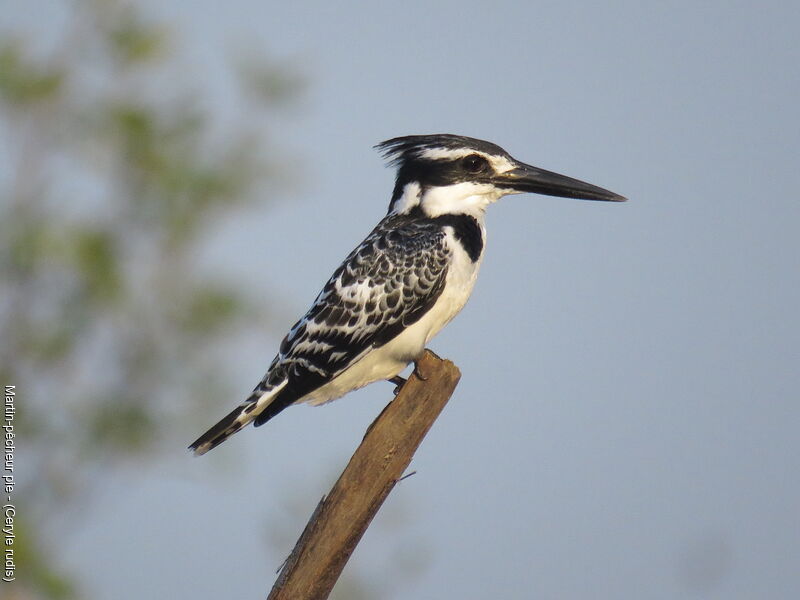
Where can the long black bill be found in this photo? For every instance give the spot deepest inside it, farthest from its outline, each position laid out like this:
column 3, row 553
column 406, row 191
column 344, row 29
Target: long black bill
column 526, row 178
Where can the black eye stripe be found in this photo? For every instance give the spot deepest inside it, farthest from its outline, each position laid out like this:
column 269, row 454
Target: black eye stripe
column 438, row 172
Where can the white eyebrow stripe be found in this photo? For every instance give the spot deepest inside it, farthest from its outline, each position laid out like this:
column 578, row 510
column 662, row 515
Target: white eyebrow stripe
column 500, row 164
column 448, row 153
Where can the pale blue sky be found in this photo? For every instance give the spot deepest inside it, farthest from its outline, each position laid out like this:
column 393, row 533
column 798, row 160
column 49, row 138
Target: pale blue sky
column 626, row 424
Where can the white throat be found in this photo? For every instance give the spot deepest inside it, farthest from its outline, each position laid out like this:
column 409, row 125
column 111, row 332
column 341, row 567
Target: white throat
column 465, row 198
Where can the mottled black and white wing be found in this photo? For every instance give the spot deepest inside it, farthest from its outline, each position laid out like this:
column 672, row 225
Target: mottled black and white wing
column 385, row 285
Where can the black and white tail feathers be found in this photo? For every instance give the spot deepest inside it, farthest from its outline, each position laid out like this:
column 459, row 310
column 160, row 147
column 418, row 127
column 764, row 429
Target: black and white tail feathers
column 255, row 406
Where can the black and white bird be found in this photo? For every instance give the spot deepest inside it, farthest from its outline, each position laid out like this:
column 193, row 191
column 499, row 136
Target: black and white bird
column 410, row 276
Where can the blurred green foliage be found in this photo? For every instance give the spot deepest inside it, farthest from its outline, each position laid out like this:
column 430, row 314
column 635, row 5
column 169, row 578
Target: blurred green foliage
column 24, row 83
column 109, row 187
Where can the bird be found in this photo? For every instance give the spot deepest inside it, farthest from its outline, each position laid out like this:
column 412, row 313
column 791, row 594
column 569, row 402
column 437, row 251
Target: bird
column 399, row 287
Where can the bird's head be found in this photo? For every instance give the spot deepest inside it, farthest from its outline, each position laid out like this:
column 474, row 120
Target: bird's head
column 453, row 174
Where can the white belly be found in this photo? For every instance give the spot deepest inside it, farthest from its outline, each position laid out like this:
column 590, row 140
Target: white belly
column 391, row 358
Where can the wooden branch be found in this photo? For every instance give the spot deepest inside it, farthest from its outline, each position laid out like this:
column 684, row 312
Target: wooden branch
column 343, row 516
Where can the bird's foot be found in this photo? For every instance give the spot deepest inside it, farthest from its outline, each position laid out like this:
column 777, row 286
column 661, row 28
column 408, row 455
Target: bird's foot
column 418, row 372
column 398, row 382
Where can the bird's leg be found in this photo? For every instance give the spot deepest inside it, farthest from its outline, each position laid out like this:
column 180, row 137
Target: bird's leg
column 398, row 381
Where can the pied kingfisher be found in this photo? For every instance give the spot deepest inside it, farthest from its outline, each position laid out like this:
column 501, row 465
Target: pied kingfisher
column 409, row 277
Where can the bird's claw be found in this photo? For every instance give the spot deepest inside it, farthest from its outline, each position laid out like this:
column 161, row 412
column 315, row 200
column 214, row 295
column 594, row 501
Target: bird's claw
column 418, row 373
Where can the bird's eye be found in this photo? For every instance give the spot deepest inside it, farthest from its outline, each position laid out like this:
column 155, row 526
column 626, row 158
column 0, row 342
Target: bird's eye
column 474, row 163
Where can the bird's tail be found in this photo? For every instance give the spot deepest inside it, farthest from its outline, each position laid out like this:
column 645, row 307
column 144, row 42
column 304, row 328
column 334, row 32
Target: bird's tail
column 236, row 419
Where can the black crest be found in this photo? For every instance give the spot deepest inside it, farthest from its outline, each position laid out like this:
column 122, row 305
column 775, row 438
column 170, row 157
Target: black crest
column 410, row 147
